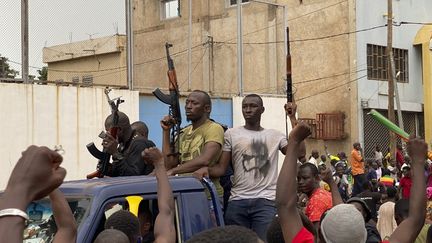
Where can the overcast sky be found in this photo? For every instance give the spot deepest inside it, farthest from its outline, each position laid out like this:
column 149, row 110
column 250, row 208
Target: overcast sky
column 54, row 22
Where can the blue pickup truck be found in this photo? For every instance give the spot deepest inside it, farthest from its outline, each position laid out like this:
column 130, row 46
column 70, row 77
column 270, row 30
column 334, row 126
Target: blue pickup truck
column 92, row 201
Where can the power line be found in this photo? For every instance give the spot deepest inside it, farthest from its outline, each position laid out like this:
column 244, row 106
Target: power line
column 116, row 68
column 330, row 89
column 308, row 39
column 332, row 76
column 199, row 61
column 301, row 16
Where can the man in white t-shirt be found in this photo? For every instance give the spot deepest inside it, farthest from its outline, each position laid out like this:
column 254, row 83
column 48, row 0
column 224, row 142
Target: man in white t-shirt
column 314, row 157
column 254, row 152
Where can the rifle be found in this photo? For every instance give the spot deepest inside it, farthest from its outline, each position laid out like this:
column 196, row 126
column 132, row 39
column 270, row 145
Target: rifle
column 104, row 157
column 288, row 70
column 288, row 79
column 172, row 100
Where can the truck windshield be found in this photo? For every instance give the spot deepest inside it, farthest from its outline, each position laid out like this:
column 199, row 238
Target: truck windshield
column 42, row 227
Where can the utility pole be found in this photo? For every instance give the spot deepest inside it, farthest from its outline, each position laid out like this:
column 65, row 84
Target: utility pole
column 391, row 112
column 129, row 45
column 239, row 48
column 24, row 41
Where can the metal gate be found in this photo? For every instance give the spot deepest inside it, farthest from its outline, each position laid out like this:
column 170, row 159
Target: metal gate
column 376, row 134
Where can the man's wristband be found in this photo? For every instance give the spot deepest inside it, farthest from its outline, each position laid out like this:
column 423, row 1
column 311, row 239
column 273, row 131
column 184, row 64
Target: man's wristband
column 14, row 212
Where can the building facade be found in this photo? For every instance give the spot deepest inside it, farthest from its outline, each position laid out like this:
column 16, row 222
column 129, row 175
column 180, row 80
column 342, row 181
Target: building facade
column 338, row 61
column 99, row 62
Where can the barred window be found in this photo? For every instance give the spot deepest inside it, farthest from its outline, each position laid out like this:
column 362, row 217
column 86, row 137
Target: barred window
column 377, row 63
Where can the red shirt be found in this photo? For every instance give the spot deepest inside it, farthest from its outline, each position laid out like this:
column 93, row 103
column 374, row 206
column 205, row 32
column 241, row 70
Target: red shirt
column 303, row 236
column 405, row 183
column 399, row 158
column 319, row 202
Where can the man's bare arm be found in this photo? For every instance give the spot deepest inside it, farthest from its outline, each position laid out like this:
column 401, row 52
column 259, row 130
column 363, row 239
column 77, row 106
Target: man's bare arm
column 210, row 151
column 171, row 160
column 34, row 176
column 408, row 230
column 286, row 188
column 327, row 177
column 65, row 221
column 164, row 230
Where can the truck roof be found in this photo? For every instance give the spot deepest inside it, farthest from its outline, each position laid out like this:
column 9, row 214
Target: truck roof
column 128, row 185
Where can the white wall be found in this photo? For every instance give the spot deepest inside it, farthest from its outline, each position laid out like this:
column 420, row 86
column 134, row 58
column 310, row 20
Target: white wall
column 273, row 116
column 56, row 115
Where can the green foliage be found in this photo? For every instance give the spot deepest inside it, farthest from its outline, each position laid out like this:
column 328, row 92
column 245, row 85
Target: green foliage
column 43, row 73
column 5, row 70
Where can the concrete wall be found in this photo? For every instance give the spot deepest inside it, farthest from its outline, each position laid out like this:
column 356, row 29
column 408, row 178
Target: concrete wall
column 371, row 13
column 321, row 65
column 56, row 115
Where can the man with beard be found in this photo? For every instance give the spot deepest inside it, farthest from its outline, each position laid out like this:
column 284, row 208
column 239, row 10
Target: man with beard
column 200, row 144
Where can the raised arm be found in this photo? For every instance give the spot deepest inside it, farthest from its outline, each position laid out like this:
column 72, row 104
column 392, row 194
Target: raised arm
column 408, row 230
column 35, row 175
column 164, row 230
column 327, row 177
column 65, row 221
column 171, row 160
column 286, row 189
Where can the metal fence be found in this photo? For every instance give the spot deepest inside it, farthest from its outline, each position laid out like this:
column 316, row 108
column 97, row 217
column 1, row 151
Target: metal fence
column 376, row 134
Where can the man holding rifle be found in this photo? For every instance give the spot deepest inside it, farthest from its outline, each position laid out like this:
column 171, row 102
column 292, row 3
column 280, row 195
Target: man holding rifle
column 125, row 149
column 199, row 144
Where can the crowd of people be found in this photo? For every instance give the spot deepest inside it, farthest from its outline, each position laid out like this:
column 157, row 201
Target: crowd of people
column 327, row 198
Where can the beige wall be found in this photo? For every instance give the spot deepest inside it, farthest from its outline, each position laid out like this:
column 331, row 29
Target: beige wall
column 55, row 115
column 103, row 58
column 323, row 69
column 106, row 69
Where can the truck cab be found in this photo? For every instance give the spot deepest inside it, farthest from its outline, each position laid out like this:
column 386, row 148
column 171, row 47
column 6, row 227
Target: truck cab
column 93, row 201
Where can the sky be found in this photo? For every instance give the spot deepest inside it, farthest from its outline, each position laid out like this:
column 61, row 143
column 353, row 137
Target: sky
column 54, row 22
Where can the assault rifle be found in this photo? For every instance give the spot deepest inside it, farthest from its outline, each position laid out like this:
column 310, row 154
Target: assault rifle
column 104, row 157
column 289, row 92
column 172, row 100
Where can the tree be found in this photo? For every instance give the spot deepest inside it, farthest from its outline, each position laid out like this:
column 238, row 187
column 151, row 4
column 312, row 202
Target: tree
column 43, row 73
column 5, row 70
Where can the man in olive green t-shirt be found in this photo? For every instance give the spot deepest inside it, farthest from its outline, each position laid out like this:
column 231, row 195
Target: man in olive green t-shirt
column 200, row 144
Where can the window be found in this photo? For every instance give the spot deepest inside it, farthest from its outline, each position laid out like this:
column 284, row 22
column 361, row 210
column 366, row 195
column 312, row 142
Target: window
column 87, row 80
column 41, row 226
column 170, row 9
column 377, row 63
column 75, row 79
column 234, row 2
column 327, row 126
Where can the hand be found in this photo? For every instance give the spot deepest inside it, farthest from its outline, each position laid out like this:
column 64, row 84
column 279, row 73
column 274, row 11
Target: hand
column 417, row 149
column 153, row 156
column 200, row 173
column 290, row 109
column 299, row 133
column 110, row 144
column 302, row 200
column 167, row 122
column 36, row 174
column 326, row 175
column 171, row 172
